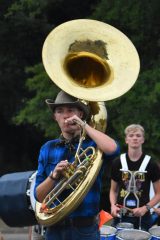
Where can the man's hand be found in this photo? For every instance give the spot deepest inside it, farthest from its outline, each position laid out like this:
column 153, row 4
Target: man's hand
column 60, row 168
column 157, row 210
column 139, row 212
column 115, row 210
column 75, row 120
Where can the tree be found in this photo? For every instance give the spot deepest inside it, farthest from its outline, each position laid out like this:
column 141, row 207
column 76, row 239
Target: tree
column 24, row 85
column 144, row 96
column 139, row 20
column 21, row 38
column 34, row 110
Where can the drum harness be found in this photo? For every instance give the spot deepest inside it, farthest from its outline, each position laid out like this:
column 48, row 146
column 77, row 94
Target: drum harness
column 132, row 187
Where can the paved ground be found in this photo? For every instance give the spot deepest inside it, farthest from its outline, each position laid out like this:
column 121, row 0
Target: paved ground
column 9, row 233
column 15, row 236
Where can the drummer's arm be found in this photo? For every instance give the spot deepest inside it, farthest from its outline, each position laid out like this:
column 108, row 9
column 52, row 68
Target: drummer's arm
column 157, row 210
column 156, row 199
column 114, row 189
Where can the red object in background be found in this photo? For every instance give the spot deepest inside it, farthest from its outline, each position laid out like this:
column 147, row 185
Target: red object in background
column 104, row 217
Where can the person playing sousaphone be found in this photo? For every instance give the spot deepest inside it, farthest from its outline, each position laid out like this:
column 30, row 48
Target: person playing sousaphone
column 91, row 62
column 55, row 157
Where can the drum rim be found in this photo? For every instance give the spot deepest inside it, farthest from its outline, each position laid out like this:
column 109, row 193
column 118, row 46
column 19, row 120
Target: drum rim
column 153, row 235
column 30, row 187
column 110, row 234
column 133, row 230
column 128, row 223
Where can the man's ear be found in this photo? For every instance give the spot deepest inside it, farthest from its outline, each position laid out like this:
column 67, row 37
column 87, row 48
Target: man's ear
column 81, row 114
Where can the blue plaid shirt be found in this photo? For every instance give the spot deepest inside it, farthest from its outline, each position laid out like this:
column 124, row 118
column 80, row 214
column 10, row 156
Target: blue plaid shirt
column 57, row 150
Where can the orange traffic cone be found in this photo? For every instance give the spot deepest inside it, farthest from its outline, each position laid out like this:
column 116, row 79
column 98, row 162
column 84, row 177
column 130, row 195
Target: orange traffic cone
column 104, row 217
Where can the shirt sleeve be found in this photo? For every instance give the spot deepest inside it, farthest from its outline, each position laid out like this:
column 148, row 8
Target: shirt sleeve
column 154, row 170
column 116, row 153
column 40, row 177
column 115, row 170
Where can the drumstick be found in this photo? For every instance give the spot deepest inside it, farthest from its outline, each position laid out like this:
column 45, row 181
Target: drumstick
column 155, row 208
column 121, row 206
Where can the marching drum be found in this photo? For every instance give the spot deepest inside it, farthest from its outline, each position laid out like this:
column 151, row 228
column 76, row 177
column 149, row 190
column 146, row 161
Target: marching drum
column 133, row 234
column 30, row 191
column 155, row 232
column 17, row 202
column 124, row 225
column 107, row 232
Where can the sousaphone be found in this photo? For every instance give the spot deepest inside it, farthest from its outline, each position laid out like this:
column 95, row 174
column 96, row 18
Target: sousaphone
column 94, row 62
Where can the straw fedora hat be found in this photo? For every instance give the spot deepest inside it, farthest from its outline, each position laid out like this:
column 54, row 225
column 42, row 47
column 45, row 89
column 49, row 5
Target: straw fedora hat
column 103, row 43
column 66, row 99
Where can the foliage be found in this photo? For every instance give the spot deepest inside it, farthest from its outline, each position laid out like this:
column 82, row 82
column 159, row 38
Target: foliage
column 34, row 110
column 142, row 99
column 25, row 8
column 24, row 85
column 21, row 39
column 139, row 20
column 140, row 106
column 59, row 11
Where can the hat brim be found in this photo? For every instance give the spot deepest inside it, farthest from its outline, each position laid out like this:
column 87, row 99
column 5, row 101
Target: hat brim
column 85, row 108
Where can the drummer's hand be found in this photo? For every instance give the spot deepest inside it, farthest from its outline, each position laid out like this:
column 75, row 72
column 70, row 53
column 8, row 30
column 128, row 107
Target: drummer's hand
column 157, row 210
column 60, row 168
column 139, row 212
column 115, row 210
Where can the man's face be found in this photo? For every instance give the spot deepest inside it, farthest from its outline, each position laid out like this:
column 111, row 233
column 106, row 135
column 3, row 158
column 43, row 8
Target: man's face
column 62, row 113
column 135, row 138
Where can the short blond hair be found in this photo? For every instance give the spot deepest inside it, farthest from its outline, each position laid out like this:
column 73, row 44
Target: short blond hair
column 134, row 127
